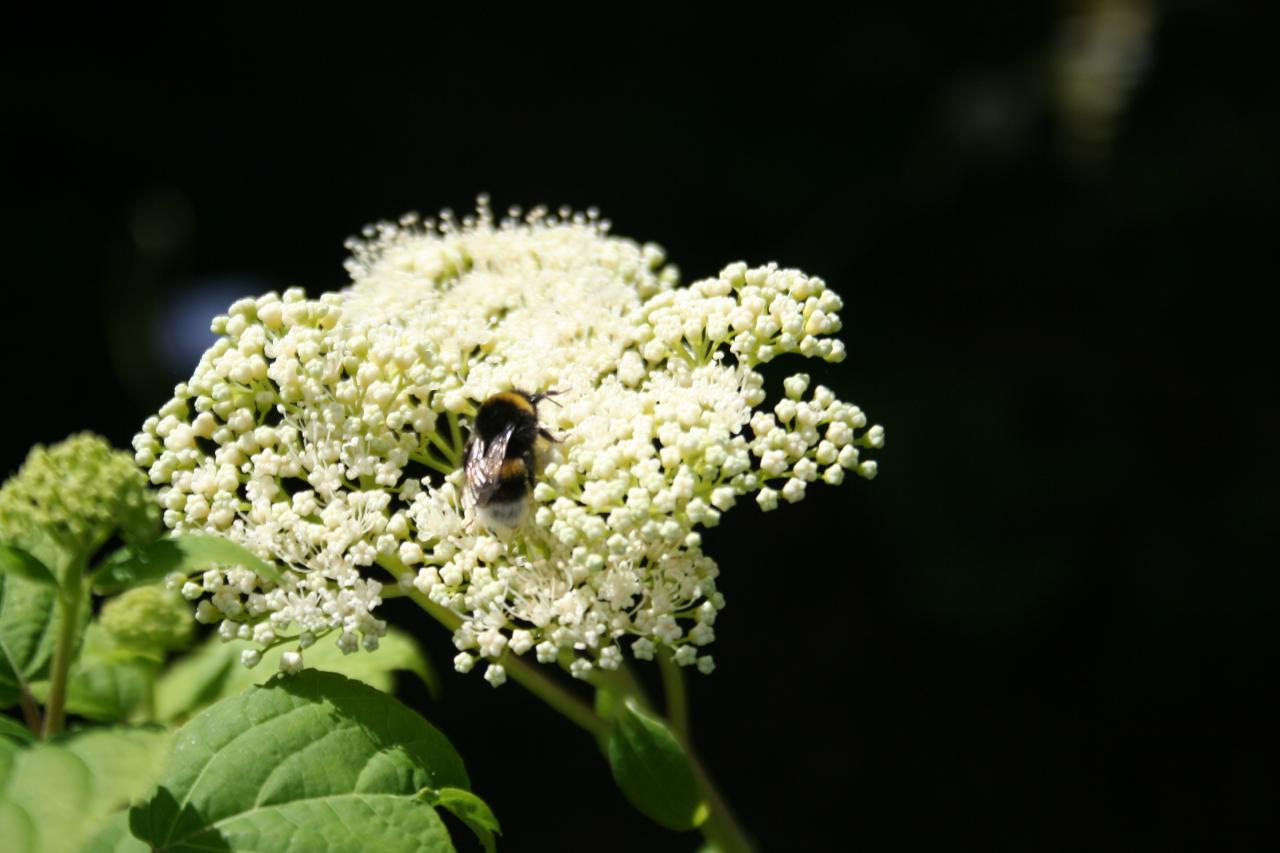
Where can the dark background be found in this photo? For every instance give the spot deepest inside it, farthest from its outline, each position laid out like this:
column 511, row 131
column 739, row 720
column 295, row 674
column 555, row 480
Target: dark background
column 1049, row 624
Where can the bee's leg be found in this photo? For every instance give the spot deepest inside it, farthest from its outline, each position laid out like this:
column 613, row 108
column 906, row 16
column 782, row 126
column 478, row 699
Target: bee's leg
column 538, row 398
column 545, row 395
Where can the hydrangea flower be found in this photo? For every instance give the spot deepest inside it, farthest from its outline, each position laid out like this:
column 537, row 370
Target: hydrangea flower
column 327, row 434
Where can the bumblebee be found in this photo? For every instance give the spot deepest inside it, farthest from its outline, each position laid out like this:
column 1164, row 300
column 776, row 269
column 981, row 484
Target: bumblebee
column 501, row 459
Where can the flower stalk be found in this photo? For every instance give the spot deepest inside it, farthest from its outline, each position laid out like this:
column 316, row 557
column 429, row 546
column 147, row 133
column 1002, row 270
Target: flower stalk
column 71, row 597
column 673, row 690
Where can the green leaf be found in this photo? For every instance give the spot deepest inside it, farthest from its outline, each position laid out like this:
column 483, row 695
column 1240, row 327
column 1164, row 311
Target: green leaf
column 213, row 670
column 16, row 562
column 653, row 770
column 28, row 630
column 115, row 837
column 313, row 761
column 56, row 796
column 106, row 691
column 469, row 809
column 397, row 650
column 29, row 615
column 193, row 681
column 130, row 567
column 15, row 731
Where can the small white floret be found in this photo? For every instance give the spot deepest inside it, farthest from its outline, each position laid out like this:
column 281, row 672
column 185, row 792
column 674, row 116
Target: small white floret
column 793, row 490
column 291, row 663
column 495, row 674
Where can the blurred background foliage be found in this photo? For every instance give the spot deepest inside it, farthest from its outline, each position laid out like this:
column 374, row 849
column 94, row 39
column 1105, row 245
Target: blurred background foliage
column 1050, row 622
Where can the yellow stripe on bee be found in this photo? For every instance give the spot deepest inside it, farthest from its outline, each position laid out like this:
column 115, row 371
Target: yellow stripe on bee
column 512, row 469
column 518, row 400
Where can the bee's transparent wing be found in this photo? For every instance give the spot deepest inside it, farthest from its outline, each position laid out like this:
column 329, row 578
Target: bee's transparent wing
column 483, row 466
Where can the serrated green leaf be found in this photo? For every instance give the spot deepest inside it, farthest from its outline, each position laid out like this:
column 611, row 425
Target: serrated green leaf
column 469, row 809
column 16, row 562
column 15, row 731
column 213, row 670
column 187, row 553
column 653, row 770
column 56, row 796
column 313, row 761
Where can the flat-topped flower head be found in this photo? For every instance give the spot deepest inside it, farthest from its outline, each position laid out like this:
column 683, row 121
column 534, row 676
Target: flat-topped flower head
column 327, row 434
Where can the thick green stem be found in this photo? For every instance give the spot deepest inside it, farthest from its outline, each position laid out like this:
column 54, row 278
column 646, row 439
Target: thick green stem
column 531, row 679
column 70, row 598
column 673, row 688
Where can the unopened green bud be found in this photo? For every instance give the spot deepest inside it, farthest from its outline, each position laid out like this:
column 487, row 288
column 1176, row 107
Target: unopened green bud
column 78, row 493
column 149, row 620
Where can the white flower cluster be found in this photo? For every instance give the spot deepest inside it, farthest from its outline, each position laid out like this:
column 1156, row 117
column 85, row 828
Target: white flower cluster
column 327, row 434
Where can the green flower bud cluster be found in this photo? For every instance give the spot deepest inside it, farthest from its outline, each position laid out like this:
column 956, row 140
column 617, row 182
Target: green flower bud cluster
column 149, row 620
column 78, row 493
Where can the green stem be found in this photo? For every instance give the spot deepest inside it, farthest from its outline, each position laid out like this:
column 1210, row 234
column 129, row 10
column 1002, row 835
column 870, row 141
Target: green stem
column 721, row 828
column 30, row 710
column 519, row 670
column 434, row 465
column 673, row 689
column 526, row 675
column 622, row 682
column 149, row 693
column 531, row 679
column 70, row 597
column 446, row 450
column 455, row 436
